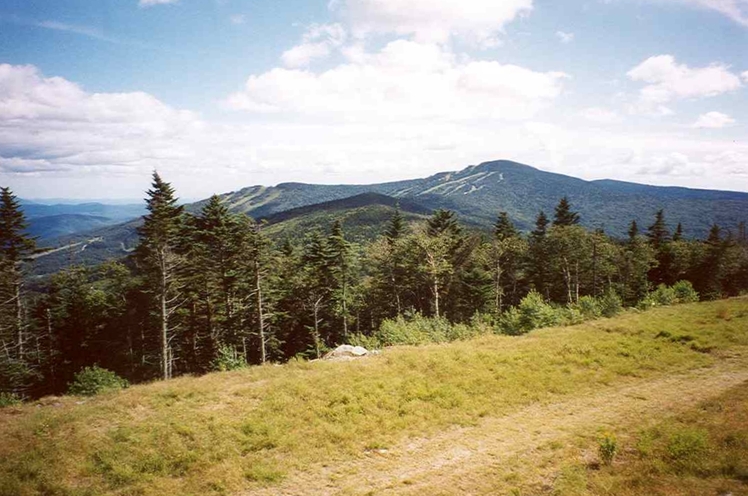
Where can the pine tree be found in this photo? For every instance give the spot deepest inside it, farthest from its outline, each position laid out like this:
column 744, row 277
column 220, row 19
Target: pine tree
column 158, row 252
column 658, row 233
column 340, row 259
column 443, row 222
column 504, row 228
column 15, row 248
column 538, row 255
column 678, row 235
column 563, row 215
column 396, row 227
column 633, row 231
column 659, row 239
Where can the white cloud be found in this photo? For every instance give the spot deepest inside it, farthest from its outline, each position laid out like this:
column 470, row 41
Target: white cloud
column 565, row 37
column 713, row 120
column 402, row 82
column 600, row 115
column 431, row 20
column 318, row 42
column 667, row 81
column 737, row 10
column 149, row 3
column 237, row 19
column 745, row 76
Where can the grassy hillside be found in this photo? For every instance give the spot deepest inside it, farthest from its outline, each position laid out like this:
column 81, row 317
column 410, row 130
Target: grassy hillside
column 293, row 428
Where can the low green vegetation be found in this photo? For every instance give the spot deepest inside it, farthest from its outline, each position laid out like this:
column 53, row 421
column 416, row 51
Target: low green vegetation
column 242, row 429
column 703, row 451
column 94, row 380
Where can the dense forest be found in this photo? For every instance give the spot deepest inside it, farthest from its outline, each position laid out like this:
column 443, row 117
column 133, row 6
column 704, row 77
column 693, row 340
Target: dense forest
column 202, row 292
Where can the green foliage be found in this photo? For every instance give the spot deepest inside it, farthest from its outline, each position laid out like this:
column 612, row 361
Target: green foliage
column 680, row 292
column 9, row 399
column 590, row 307
column 610, row 304
column 227, row 358
column 414, row 330
column 685, row 293
column 94, row 380
column 687, row 447
column 607, row 448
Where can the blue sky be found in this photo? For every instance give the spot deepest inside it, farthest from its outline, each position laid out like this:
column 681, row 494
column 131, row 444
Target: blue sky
column 222, row 94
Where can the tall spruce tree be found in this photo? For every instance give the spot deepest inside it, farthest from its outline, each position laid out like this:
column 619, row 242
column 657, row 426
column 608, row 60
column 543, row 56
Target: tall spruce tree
column 160, row 257
column 15, row 247
column 563, row 215
column 538, row 255
column 340, row 262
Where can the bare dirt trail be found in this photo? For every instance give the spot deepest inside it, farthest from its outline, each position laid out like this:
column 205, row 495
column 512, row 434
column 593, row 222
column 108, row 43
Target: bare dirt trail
column 455, row 461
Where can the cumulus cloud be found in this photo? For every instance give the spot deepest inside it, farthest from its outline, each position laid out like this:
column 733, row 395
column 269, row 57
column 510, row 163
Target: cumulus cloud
column 600, row 115
column 667, row 80
column 51, row 124
column 565, row 37
column 737, row 10
column 744, row 75
column 150, row 3
column 318, row 42
column 713, row 120
column 405, row 80
column 431, row 20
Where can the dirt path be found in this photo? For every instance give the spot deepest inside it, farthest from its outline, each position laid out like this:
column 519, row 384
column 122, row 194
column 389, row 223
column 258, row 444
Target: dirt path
column 454, row 461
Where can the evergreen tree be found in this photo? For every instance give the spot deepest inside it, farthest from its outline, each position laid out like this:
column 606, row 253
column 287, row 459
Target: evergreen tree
column 340, row 260
column 503, row 257
column 633, row 231
column 504, row 227
column 159, row 255
column 396, row 227
column 443, row 222
column 15, row 247
column 678, row 235
column 659, row 239
column 538, row 256
column 563, row 215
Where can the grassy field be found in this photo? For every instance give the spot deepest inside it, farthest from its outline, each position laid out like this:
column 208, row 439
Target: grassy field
column 269, row 428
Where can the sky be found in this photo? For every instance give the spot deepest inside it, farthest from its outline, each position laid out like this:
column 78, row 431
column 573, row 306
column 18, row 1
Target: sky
column 222, row 94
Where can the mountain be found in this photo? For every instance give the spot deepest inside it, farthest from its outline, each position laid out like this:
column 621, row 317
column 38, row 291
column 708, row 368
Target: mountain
column 477, row 193
column 116, row 212
column 54, row 226
column 363, row 216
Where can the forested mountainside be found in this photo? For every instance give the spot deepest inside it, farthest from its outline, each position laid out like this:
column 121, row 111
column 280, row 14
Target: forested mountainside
column 475, row 193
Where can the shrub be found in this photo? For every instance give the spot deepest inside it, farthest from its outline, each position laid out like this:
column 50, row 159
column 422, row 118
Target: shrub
column 414, row 330
column 607, row 448
column 368, row 342
column 228, row 359
column 94, row 380
column 684, row 292
column 610, row 304
column 590, row 307
column 662, row 296
column 688, row 449
column 531, row 313
column 9, row 399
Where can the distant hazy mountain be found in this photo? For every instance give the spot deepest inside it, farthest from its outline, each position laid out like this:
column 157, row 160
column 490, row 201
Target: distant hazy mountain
column 477, row 193
column 54, row 226
column 116, row 212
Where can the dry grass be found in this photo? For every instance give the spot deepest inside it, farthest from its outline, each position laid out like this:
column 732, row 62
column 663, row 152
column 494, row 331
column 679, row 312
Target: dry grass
column 234, row 431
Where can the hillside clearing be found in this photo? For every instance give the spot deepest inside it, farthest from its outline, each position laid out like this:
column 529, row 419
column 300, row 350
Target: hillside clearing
column 441, row 419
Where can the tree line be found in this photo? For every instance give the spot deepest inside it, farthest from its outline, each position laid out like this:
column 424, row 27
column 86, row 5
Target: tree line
column 209, row 290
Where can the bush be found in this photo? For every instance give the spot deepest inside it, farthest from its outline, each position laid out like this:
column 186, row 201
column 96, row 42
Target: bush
column 680, row 292
column 685, row 293
column 688, row 449
column 610, row 304
column 531, row 313
column 368, row 342
column 9, row 399
column 228, row 359
column 590, row 307
column 607, row 448
column 94, row 380
column 414, row 330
